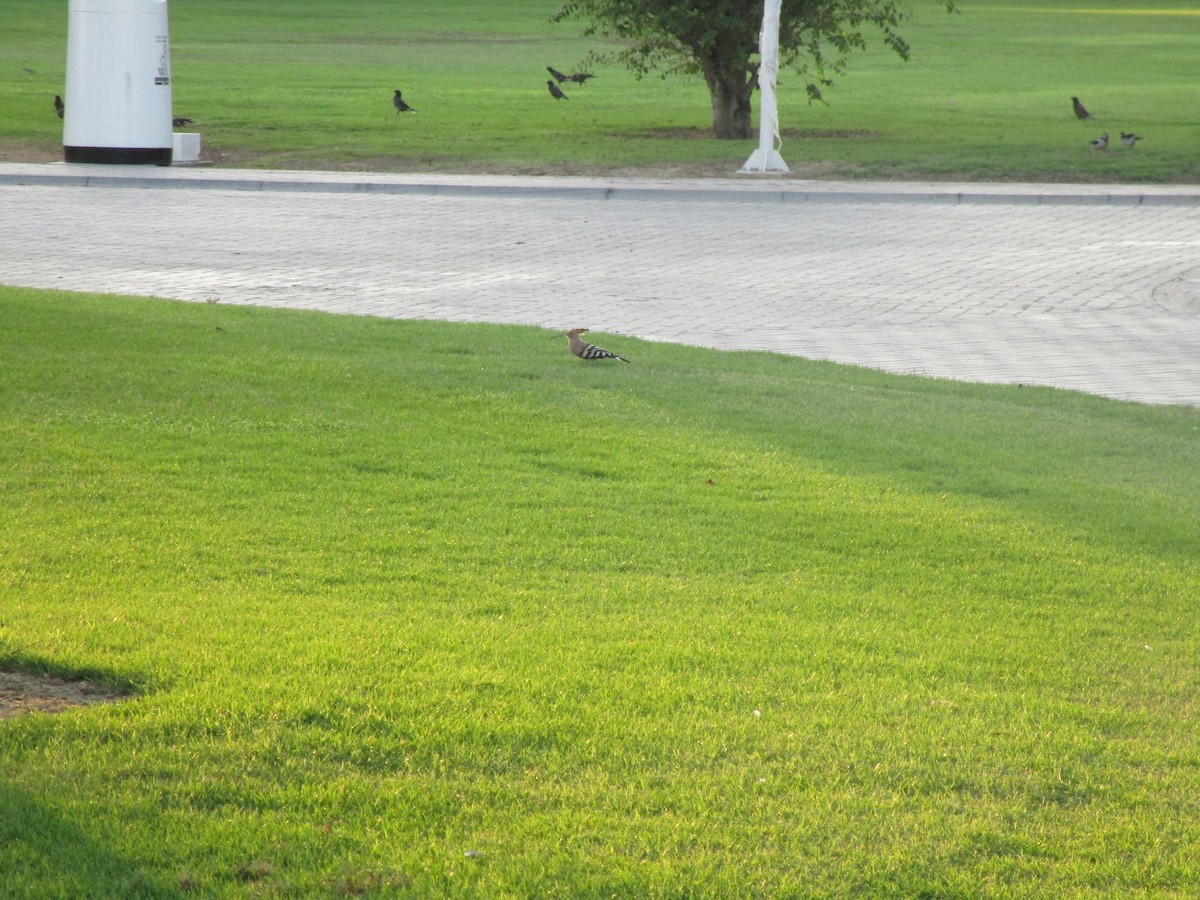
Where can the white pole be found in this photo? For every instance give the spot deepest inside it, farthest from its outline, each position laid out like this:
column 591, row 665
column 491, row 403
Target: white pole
column 766, row 158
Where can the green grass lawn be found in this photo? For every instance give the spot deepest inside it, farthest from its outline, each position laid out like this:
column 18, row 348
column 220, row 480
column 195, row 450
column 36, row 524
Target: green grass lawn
column 430, row 609
column 985, row 96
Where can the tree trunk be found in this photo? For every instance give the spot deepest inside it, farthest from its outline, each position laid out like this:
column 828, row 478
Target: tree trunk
column 731, row 106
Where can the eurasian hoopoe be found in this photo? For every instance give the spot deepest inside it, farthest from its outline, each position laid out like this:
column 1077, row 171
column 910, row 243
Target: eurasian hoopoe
column 584, row 350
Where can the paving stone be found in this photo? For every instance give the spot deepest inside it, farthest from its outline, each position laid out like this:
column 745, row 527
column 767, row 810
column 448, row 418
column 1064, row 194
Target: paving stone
column 1092, row 288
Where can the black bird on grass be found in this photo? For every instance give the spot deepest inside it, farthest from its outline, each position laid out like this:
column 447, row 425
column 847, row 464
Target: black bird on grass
column 1080, row 110
column 1128, row 138
column 1100, row 143
column 556, row 92
column 58, row 106
column 180, row 121
column 581, row 77
column 558, row 76
column 401, row 106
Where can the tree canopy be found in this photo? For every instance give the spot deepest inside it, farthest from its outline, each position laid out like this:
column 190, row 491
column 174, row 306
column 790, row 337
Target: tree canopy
column 718, row 39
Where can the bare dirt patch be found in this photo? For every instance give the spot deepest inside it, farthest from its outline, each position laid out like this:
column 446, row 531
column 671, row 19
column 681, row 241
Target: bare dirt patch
column 726, row 168
column 802, row 134
column 22, row 692
column 231, row 159
column 14, row 151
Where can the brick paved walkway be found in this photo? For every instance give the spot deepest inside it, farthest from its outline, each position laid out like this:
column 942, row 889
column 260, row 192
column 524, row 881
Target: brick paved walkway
column 1091, row 288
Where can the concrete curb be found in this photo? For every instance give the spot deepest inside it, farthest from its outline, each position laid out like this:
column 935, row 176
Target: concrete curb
column 749, row 190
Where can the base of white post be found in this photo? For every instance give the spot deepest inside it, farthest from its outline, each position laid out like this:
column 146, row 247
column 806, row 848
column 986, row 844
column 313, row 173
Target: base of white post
column 765, row 162
column 186, row 147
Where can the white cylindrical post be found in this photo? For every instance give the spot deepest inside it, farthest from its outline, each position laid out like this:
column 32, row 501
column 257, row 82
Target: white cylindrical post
column 766, row 158
column 118, row 95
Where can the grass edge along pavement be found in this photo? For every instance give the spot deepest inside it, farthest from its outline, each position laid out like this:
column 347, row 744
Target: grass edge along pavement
column 405, row 616
column 986, row 95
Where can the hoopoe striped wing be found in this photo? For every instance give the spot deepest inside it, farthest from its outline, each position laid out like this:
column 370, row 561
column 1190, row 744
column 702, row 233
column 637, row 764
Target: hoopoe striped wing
column 591, row 351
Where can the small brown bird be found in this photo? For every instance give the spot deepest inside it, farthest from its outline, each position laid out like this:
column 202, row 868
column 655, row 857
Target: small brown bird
column 58, row 106
column 584, row 350
column 1128, row 138
column 558, row 76
column 580, row 77
column 1100, row 143
column 1080, row 111
column 556, row 92
column 401, row 106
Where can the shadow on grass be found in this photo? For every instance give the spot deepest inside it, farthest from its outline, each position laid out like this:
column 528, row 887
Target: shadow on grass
column 29, row 664
column 56, row 857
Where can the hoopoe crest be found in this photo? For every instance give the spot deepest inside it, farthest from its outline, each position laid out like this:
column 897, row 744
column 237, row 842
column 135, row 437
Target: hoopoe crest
column 584, row 350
